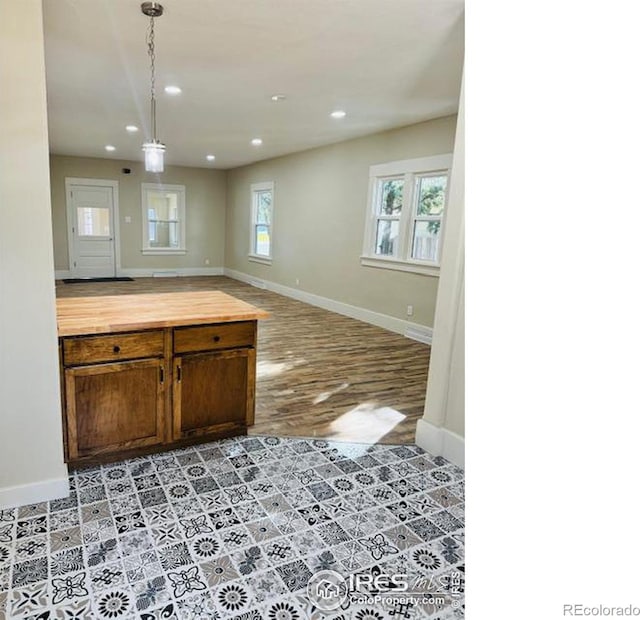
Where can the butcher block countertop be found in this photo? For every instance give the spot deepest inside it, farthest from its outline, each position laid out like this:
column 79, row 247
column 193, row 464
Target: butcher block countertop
column 121, row 313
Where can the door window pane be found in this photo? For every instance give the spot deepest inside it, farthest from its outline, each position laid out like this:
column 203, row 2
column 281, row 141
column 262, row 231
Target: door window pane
column 391, row 197
column 426, row 238
column 93, row 221
column 387, row 237
column 431, row 191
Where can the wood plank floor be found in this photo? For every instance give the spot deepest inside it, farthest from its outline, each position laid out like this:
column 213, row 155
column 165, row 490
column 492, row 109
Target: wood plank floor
column 320, row 374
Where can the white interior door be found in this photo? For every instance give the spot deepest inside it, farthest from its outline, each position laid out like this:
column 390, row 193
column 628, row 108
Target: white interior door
column 90, row 212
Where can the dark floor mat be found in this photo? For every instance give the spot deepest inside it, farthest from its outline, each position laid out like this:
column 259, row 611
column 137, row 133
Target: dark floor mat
column 81, row 280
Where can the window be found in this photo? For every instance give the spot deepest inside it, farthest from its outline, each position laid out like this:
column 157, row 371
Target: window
column 389, row 194
column 430, row 195
column 406, row 210
column 261, row 222
column 163, row 219
column 94, row 221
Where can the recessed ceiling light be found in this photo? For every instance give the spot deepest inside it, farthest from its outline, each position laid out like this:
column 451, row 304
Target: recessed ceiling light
column 256, row 141
column 278, row 97
column 109, row 147
column 172, row 90
column 131, row 128
column 338, row 114
column 211, row 157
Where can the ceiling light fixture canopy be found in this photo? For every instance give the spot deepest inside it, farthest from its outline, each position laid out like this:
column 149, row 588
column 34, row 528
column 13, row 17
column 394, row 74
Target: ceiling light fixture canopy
column 153, row 149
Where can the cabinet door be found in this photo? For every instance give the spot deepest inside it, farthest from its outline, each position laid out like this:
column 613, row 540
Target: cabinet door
column 213, row 392
column 113, row 407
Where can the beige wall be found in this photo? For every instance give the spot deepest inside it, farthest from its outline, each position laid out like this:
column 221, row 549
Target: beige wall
column 320, row 199
column 205, row 210
column 31, row 461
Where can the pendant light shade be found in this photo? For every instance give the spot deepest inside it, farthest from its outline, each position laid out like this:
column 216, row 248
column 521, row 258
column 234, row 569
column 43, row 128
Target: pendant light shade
column 153, row 156
column 153, row 149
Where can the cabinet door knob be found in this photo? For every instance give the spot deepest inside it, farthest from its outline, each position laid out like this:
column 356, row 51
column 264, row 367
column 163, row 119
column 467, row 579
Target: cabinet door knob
column 216, row 338
column 116, row 349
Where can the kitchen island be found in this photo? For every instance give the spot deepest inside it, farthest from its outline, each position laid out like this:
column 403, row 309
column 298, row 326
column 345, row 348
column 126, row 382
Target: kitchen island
column 151, row 372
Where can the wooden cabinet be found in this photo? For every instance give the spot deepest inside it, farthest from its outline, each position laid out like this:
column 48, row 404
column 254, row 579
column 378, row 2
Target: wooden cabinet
column 114, row 407
column 213, row 392
column 212, row 337
column 204, row 376
column 129, row 392
column 113, row 347
column 213, row 378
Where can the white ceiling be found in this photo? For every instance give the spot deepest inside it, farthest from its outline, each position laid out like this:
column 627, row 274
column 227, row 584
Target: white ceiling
column 388, row 63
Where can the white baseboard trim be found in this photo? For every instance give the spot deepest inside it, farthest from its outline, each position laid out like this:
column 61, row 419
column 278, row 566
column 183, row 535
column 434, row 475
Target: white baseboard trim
column 440, row 442
column 171, row 273
column 419, row 333
column 157, row 273
column 26, row 494
column 399, row 326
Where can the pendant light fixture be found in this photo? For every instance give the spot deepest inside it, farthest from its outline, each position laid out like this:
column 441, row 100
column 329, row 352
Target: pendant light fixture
column 153, row 149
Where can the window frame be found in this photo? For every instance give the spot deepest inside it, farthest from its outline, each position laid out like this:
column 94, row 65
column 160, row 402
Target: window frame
column 410, row 170
column 181, row 192
column 255, row 190
column 415, row 217
column 378, row 189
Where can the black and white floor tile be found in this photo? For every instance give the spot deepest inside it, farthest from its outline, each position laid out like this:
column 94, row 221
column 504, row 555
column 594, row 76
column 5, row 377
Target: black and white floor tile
column 235, row 529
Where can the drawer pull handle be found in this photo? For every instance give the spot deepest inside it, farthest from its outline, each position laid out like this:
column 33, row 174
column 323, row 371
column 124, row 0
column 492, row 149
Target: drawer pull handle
column 116, row 349
column 216, row 338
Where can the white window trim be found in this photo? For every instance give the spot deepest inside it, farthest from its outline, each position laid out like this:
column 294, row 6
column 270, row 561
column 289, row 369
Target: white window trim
column 253, row 257
column 182, row 198
column 408, row 168
column 258, row 258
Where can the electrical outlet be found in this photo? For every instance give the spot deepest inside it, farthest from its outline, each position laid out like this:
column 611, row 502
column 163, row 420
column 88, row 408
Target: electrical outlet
column 409, row 310
column 127, row 219
column 207, row 261
column 297, row 282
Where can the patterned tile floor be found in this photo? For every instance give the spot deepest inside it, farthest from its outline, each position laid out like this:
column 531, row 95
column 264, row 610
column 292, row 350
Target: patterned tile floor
column 235, row 529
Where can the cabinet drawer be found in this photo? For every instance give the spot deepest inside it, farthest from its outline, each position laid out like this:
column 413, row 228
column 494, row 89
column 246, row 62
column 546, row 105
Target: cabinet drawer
column 211, row 337
column 112, row 347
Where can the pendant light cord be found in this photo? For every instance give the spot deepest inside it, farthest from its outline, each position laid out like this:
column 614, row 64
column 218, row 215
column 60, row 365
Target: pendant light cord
column 152, row 56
